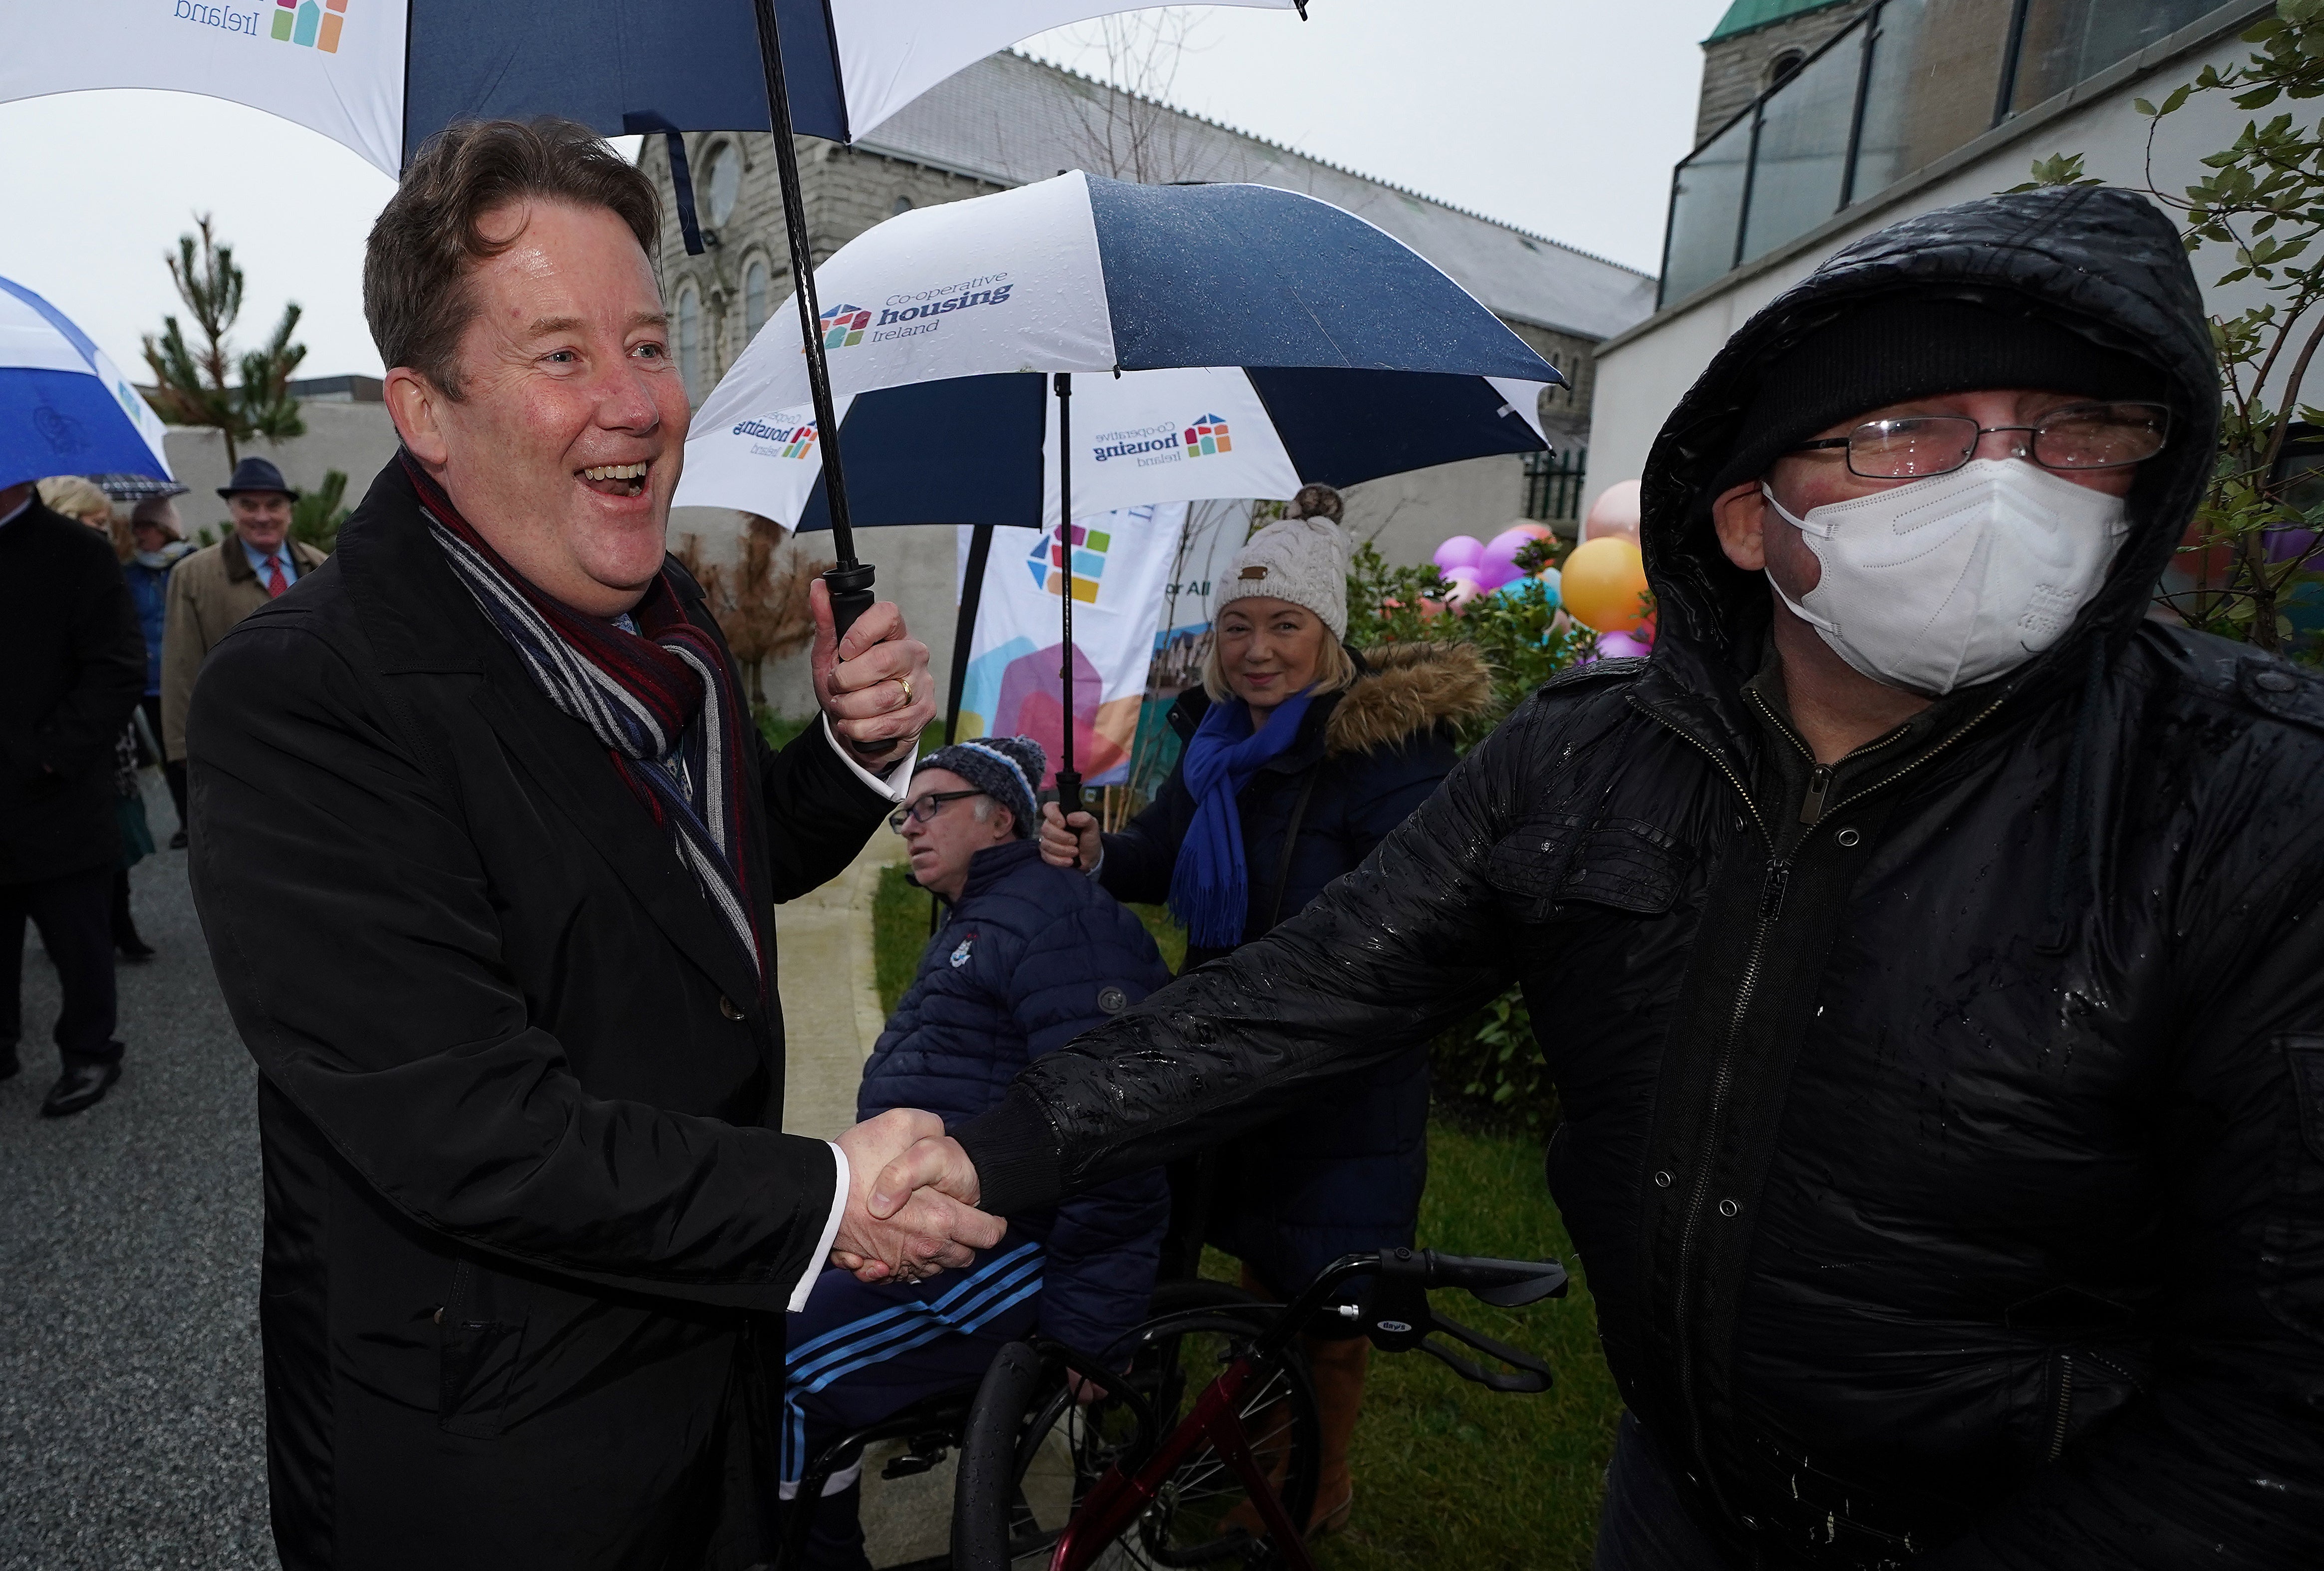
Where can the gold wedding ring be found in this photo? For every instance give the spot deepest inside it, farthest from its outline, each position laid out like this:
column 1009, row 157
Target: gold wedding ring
column 906, row 683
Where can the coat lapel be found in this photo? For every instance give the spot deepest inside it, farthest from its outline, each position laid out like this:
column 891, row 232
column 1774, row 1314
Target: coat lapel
column 420, row 620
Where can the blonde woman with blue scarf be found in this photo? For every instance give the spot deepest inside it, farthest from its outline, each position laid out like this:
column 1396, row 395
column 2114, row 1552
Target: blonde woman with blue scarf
column 1301, row 755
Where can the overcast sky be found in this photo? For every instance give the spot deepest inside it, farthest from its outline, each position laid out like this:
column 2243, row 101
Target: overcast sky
column 1563, row 116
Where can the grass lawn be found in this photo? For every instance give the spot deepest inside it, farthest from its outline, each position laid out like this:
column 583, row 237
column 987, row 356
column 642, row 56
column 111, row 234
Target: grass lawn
column 1447, row 1474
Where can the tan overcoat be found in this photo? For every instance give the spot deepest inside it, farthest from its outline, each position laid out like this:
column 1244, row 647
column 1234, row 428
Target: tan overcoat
column 209, row 592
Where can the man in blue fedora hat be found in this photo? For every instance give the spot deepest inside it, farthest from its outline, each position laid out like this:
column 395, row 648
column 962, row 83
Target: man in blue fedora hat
column 216, row 587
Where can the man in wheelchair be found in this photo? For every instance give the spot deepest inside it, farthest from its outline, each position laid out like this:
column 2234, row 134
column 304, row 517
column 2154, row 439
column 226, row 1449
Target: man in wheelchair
column 1028, row 957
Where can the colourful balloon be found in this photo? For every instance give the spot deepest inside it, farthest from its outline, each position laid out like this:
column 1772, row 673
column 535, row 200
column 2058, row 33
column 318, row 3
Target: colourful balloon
column 1460, row 551
column 1505, row 545
column 1622, row 646
column 1555, row 580
column 1614, row 515
column 1491, row 574
column 1604, row 585
column 1463, row 588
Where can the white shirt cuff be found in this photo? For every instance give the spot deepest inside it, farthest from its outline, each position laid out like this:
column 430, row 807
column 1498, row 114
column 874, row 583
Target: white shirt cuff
column 842, row 1179
column 896, row 786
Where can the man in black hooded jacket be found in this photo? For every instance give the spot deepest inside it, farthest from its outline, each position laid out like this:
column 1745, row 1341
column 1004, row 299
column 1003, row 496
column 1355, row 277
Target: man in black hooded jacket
column 1928, row 951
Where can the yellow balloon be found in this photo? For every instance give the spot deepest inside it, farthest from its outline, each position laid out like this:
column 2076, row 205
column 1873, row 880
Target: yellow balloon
column 1604, row 583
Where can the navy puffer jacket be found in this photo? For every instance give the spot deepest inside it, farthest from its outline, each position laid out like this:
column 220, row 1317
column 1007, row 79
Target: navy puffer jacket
column 1031, row 957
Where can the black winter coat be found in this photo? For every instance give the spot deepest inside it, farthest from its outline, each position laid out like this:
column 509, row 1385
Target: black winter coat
column 1952, row 1184
column 518, row 1102
column 1030, row 957
column 71, row 665
column 1345, row 1175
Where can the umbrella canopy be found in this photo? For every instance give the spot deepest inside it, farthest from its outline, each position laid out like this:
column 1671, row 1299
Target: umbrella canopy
column 64, row 407
column 984, row 449
column 383, row 76
column 1081, row 273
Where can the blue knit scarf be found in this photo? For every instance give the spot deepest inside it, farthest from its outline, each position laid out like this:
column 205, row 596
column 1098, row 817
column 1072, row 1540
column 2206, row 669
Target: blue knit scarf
column 1209, row 888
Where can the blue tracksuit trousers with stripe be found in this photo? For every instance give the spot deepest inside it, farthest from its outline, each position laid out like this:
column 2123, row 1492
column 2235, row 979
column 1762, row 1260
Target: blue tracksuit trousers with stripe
column 859, row 1352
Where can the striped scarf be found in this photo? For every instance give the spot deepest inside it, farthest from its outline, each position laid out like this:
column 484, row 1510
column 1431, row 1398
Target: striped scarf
column 660, row 700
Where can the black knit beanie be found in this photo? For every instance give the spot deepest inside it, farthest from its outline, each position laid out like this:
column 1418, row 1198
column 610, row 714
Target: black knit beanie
column 1009, row 770
column 1890, row 350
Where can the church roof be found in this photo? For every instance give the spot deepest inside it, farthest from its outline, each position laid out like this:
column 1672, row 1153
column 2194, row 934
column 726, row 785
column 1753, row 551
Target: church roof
column 1750, row 15
column 1014, row 120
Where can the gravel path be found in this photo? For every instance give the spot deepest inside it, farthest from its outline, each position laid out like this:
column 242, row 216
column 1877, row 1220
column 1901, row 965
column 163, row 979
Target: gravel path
column 131, row 1417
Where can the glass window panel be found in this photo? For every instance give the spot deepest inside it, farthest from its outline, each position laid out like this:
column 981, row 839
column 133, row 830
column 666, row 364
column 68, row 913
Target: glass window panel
column 2066, row 40
column 1706, row 211
column 1803, row 156
column 689, row 341
column 722, row 182
column 754, row 297
column 1936, row 71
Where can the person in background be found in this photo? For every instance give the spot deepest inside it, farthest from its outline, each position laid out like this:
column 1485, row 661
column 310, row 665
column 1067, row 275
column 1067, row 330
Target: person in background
column 70, row 646
column 157, row 544
column 219, row 585
column 1028, row 957
column 77, row 498
column 1300, row 757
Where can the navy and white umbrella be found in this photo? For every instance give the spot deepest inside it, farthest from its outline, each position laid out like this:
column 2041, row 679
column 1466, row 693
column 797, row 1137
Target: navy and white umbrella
column 65, row 408
column 1342, row 352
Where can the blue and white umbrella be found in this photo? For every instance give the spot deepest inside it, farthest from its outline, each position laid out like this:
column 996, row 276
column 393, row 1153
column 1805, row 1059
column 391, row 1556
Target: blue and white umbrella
column 65, row 408
column 1318, row 329
column 383, row 76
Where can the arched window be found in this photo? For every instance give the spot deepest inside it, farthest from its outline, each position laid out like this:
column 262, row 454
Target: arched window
column 722, row 182
column 1783, row 68
column 754, row 297
column 689, row 340
column 902, row 204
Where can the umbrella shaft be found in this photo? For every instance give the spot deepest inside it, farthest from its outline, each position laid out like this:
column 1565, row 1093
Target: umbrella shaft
column 850, row 583
column 1069, row 783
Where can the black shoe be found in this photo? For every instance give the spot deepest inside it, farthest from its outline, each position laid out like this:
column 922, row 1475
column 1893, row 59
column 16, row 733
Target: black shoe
column 178, row 840
column 132, row 947
column 9, row 1062
column 82, row 1087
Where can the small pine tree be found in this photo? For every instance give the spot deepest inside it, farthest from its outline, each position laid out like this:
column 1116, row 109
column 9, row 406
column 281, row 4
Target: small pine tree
column 189, row 377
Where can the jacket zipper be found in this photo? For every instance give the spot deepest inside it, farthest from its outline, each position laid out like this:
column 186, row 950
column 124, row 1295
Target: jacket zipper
column 1771, row 890
column 2065, row 1404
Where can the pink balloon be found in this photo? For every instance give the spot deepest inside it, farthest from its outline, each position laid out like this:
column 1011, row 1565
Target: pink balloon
column 1622, row 646
column 1460, row 551
column 1464, row 587
column 1505, row 545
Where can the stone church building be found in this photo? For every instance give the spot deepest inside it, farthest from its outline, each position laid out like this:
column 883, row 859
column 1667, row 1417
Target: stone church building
column 1009, row 120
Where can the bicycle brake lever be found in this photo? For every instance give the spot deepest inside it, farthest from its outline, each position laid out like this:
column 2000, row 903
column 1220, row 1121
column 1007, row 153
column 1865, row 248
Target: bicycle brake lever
column 1533, row 1376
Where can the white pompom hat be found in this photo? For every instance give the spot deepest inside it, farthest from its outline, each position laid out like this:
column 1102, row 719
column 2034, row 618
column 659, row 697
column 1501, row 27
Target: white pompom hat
column 1304, row 561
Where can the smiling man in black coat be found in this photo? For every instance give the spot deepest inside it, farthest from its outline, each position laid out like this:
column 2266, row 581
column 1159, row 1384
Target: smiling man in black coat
column 1927, row 944
column 68, row 645
column 486, row 847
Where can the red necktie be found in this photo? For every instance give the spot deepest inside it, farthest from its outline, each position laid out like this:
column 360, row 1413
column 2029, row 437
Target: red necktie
column 275, row 582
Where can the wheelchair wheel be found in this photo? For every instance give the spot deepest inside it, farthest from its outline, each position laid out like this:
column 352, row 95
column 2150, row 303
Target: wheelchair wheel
column 1015, row 1500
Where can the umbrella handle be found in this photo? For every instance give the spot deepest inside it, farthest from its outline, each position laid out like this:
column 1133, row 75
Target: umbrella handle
column 850, row 585
column 1069, row 792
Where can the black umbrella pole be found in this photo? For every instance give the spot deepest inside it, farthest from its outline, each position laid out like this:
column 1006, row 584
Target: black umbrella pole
column 1069, row 782
column 964, row 636
column 849, row 582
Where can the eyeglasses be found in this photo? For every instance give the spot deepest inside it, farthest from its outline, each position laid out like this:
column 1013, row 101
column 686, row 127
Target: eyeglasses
column 2077, row 437
column 925, row 808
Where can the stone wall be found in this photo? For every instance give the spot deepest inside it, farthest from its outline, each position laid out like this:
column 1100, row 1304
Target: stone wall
column 1737, row 70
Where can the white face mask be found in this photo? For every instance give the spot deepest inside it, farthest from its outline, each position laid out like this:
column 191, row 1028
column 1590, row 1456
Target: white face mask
column 1953, row 580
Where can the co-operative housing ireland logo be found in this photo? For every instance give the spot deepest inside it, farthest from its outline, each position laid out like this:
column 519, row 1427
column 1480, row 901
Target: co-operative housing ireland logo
column 906, row 316
column 1153, row 444
column 1046, row 560
column 778, row 441
column 303, row 23
column 1207, row 436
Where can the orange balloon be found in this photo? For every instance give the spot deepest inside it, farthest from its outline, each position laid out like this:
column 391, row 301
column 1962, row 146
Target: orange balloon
column 1603, row 585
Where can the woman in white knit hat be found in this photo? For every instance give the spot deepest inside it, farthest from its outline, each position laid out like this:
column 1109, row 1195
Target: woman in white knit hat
column 1300, row 757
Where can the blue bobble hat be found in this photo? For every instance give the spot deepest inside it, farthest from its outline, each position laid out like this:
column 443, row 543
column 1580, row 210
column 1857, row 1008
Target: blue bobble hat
column 1009, row 770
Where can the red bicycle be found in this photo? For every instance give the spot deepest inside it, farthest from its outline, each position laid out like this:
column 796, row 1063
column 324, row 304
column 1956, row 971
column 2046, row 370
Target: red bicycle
column 1173, row 1466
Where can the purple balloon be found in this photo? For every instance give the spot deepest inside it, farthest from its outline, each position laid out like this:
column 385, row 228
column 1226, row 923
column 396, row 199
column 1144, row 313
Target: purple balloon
column 1622, row 646
column 1460, row 551
column 1492, row 574
column 1505, row 545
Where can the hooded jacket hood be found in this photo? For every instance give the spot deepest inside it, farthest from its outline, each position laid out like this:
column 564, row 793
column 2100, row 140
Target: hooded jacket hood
column 2105, row 264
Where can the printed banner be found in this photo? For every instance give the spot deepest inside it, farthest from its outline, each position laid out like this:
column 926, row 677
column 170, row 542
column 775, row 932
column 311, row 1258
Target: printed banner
column 1214, row 532
column 1123, row 567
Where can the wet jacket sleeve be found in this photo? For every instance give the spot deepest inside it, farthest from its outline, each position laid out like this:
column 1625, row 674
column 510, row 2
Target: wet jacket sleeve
column 1383, row 958
column 359, row 945
column 1105, row 1242
column 819, row 811
column 2221, row 1461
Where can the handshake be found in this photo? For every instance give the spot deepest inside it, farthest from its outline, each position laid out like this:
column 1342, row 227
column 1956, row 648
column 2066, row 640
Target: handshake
column 911, row 1200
